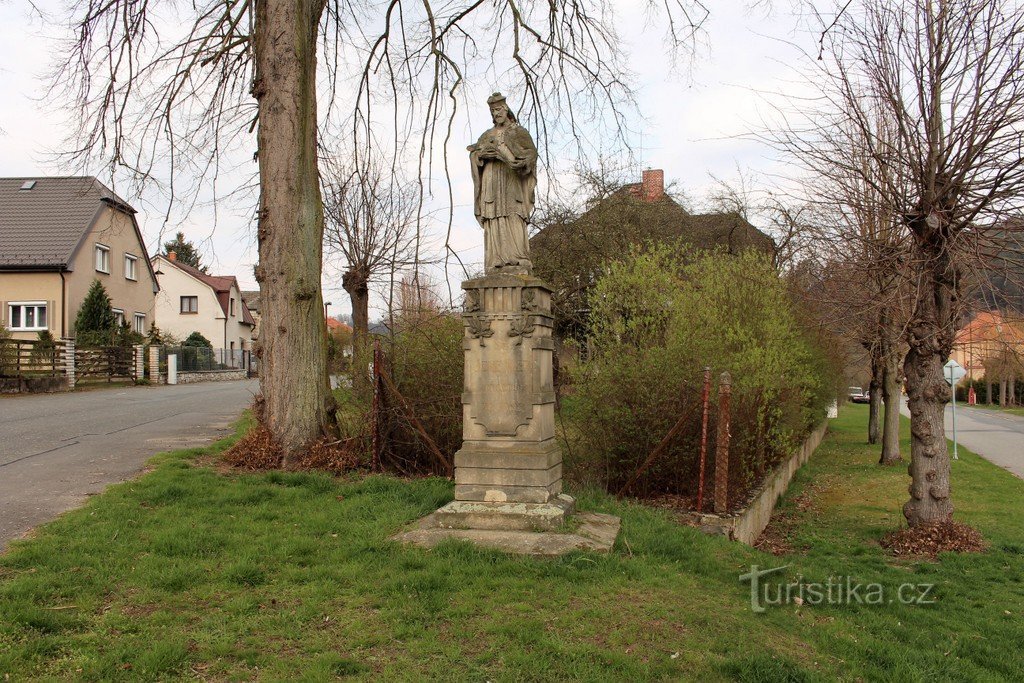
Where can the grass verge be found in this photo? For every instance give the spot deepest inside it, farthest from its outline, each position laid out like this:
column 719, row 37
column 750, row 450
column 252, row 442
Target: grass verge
column 193, row 572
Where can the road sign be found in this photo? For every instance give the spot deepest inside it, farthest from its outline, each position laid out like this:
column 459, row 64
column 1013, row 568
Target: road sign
column 954, row 372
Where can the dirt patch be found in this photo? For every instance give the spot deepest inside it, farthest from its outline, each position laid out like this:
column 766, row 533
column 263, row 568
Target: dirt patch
column 777, row 537
column 934, row 539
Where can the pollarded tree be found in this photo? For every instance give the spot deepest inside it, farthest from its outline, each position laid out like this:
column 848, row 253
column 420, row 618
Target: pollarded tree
column 371, row 221
column 947, row 77
column 152, row 104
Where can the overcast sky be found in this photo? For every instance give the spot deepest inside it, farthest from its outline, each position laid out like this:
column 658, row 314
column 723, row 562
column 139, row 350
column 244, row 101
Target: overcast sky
column 694, row 122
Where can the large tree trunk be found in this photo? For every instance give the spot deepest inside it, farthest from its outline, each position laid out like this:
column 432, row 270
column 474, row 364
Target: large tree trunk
column 891, row 386
column 988, row 389
column 875, row 394
column 356, row 283
column 931, row 338
column 298, row 404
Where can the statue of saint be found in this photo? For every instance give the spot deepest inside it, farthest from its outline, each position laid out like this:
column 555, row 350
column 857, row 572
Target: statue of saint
column 504, row 162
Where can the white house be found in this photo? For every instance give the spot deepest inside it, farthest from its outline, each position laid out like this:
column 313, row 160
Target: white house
column 190, row 301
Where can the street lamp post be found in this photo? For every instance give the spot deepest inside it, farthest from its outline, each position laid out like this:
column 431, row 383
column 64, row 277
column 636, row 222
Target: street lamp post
column 326, row 304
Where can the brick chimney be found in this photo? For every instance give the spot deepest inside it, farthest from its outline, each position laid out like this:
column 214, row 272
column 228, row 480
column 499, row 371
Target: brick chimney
column 172, row 256
column 652, row 187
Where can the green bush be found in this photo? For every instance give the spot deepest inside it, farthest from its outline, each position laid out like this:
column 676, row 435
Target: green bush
column 95, row 324
column 43, row 351
column 197, row 340
column 425, row 360
column 8, row 352
column 660, row 317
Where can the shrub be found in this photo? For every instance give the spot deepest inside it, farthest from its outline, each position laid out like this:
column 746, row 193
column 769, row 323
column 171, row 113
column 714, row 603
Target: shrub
column 95, row 324
column 660, row 317
column 425, row 360
column 8, row 352
column 42, row 352
column 197, row 340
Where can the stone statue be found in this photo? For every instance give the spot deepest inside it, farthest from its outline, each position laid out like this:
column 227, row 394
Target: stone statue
column 504, row 162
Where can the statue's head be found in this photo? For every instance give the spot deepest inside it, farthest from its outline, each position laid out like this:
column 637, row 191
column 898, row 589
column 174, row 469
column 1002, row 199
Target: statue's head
column 500, row 113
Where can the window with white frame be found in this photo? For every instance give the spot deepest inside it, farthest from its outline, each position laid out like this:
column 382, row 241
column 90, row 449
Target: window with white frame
column 26, row 316
column 140, row 323
column 118, row 317
column 103, row 258
column 130, row 264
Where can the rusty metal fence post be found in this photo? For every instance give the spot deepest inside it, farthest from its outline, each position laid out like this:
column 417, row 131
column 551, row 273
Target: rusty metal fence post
column 703, row 439
column 722, row 447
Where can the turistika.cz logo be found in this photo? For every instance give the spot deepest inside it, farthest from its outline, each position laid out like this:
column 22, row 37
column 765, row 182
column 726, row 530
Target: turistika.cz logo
column 837, row 590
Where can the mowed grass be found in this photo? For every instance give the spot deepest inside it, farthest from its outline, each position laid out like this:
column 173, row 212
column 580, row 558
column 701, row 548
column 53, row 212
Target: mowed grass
column 190, row 572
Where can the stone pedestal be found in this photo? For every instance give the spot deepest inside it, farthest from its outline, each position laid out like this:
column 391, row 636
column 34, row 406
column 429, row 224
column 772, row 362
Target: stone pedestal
column 508, row 453
column 508, row 473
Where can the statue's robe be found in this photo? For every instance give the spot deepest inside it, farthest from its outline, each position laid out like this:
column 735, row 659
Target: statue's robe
column 504, row 196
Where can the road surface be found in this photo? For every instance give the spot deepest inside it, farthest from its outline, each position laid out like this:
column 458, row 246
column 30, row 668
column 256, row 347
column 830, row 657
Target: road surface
column 57, row 449
column 996, row 436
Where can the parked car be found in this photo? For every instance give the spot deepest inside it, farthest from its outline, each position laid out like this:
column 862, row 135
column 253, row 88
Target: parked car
column 858, row 395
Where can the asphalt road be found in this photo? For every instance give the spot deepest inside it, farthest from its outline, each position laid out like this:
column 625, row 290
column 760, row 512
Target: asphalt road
column 996, row 436
column 58, row 449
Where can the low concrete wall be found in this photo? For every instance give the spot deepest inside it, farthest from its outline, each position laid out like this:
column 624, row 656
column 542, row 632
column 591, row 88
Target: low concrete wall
column 207, row 376
column 747, row 524
column 33, row 385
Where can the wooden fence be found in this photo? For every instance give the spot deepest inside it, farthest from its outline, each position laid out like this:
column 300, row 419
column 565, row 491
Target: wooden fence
column 104, row 363
column 20, row 359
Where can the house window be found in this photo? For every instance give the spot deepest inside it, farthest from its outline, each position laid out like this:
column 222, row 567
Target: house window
column 190, row 304
column 140, row 323
column 27, row 316
column 231, row 307
column 130, row 263
column 103, row 258
column 118, row 317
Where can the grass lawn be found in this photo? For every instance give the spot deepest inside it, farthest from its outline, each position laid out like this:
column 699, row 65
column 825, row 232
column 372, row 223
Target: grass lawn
column 189, row 572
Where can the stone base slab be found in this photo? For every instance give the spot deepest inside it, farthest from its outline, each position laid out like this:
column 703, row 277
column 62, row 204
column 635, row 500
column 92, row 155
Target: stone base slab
column 596, row 532
column 500, row 493
column 461, row 514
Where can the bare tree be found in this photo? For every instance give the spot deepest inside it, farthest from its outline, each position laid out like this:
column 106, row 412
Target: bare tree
column 371, row 224
column 947, row 77
column 173, row 104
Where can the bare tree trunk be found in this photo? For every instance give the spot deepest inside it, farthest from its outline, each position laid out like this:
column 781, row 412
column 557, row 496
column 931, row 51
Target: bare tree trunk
column 930, row 341
column 356, row 283
column 299, row 406
column 875, row 394
column 891, row 391
column 1002, row 392
column 988, row 388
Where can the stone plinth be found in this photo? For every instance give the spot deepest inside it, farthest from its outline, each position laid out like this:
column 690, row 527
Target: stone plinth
column 508, row 473
column 509, row 453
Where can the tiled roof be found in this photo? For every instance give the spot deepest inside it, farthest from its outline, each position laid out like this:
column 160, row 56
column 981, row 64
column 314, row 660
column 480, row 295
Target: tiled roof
column 221, row 285
column 251, row 297
column 333, row 324
column 40, row 227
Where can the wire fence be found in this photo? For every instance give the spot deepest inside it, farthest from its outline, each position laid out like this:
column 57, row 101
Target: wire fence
column 203, row 359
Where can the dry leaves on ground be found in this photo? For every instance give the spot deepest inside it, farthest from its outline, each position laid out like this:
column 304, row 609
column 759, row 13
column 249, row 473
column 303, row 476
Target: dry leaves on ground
column 931, row 540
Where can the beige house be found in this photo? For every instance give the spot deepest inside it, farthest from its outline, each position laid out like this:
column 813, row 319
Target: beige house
column 56, row 236
column 193, row 301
